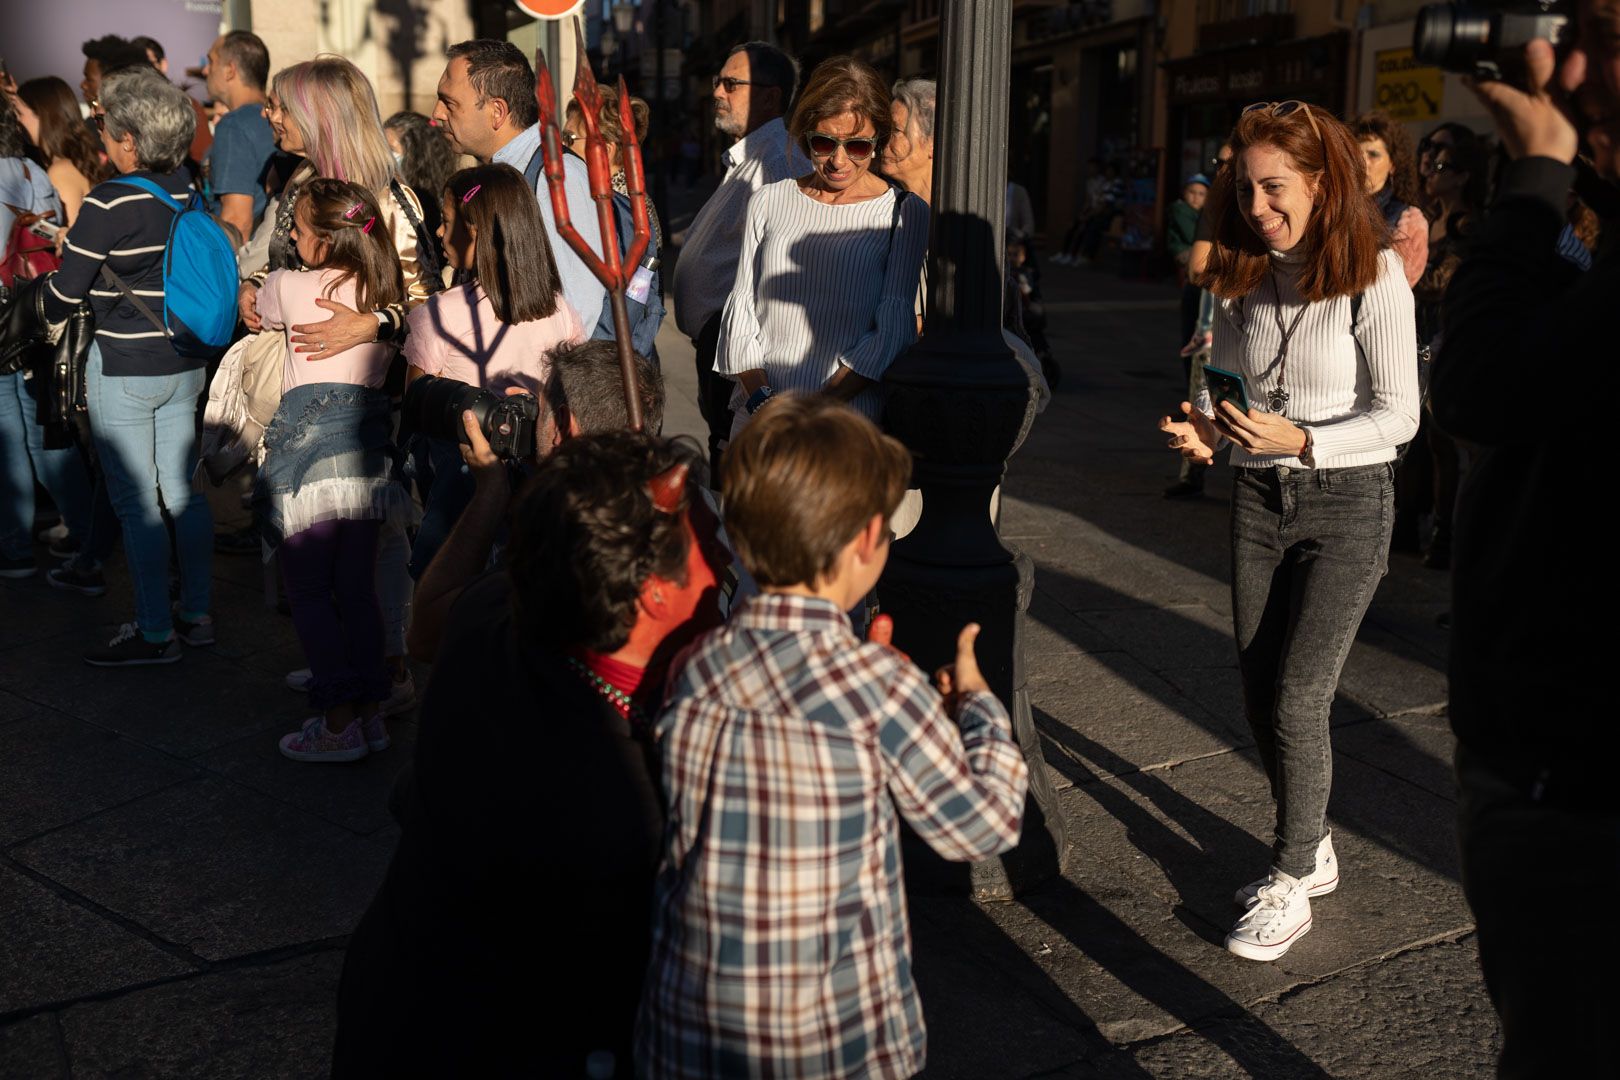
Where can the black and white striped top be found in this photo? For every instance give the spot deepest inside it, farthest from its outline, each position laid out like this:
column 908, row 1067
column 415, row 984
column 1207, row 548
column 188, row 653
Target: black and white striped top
column 127, row 229
column 822, row 285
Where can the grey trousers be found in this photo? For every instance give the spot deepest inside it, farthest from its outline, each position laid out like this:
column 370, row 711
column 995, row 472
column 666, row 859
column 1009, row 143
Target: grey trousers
column 1309, row 547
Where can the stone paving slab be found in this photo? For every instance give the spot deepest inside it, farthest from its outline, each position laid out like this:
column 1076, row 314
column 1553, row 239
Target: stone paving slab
column 1416, row 748
column 353, row 798
column 248, row 1023
column 216, row 868
column 32, row 1050
column 57, row 949
column 1413, row 1015
column 55, row 770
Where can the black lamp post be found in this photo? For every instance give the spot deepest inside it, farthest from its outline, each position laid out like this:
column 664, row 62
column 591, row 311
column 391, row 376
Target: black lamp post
column 961, row 402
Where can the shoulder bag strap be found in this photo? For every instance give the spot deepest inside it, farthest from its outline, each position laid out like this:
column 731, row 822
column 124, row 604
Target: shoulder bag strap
column 129, row 294
column 426, row 255
column 166, row 198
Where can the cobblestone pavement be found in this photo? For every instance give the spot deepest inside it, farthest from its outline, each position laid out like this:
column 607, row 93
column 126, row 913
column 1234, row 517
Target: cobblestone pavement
column 175, row 895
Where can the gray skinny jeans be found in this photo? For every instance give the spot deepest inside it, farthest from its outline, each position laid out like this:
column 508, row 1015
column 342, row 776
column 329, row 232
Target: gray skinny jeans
column 1309, row 547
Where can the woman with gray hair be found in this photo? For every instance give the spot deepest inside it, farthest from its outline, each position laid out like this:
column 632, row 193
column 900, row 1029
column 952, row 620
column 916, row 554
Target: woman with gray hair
column 142, row 394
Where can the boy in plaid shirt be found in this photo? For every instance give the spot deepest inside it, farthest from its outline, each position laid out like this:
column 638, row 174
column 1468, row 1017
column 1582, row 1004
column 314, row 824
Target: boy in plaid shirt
column 791, row 750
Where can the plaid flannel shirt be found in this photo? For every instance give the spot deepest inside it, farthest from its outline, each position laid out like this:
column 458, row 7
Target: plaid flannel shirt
column 781, row 945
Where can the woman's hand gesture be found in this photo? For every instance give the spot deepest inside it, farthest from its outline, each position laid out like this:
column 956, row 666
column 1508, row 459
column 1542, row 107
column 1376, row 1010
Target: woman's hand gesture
column 1195, row 438
column 1260, row 432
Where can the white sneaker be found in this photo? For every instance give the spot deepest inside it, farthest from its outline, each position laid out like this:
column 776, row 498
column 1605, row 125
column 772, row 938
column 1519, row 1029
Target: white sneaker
column 1319, row 882
column 1279, row 916
column 299, row 680
column 401, row 698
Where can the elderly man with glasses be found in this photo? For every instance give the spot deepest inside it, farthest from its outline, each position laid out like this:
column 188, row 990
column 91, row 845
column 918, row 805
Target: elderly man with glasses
column 752, row 93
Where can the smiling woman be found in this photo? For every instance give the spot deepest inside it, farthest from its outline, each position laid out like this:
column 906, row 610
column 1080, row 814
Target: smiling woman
column 1316, row 321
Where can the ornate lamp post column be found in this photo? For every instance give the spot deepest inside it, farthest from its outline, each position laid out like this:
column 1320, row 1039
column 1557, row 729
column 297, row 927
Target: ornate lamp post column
column 961, row 402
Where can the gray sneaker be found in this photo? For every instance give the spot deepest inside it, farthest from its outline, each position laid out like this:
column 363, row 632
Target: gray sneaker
column 196, row 634
column 129, row 648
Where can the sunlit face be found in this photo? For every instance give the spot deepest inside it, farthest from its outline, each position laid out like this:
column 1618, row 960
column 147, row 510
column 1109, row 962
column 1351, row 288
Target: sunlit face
column 312, row 246
column 731, row 106
column 1276, row 199
column 459, row 239
column 906, row 157
column 1376, row 155
column 469, row 127
column 214, row 72
column 839, row 170
column 284, row 131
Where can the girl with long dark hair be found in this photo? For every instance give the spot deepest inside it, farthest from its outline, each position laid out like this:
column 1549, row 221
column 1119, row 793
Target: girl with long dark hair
column 1316, row 316
column 63, row 144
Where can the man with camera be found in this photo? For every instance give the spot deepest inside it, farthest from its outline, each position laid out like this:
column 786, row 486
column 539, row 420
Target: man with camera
column 1537, row 739
column 584, row 395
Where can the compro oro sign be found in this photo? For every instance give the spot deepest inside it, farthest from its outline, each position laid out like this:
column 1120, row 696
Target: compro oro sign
column 549, row 9
column 1407, row 90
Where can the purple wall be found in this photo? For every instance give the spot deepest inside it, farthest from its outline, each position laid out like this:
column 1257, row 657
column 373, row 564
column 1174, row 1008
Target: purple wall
column 42, row 37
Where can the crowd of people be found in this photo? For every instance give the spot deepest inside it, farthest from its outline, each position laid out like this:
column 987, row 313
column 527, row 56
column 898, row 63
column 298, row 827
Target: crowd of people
column 423, row 381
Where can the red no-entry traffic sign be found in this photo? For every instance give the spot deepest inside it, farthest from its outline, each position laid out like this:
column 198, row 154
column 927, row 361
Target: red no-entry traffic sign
column 549, row 9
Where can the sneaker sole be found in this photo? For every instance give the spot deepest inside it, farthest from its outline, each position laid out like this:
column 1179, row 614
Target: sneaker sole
column 337, row 757
column 379, row 746
column 386, row 710
column 18, row 575
column 1266, row 953
column 198, row 644
column 1243, row 897
column 175, row 659
column 82, row 590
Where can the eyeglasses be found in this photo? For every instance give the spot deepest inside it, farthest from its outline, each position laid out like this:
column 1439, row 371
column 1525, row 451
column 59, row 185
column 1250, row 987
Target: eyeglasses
column 567, row 138
column 1280, row 109
column 859, row 148
column 729, row 83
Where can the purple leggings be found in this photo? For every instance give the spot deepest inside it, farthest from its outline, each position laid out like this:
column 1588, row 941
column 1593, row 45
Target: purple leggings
column 331, row 573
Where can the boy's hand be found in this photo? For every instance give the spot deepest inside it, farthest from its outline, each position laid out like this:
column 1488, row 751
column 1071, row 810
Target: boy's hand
column 881, row 632
column 962, row 677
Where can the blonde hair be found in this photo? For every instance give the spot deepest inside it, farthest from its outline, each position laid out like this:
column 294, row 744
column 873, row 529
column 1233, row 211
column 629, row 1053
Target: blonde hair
column 332, row 104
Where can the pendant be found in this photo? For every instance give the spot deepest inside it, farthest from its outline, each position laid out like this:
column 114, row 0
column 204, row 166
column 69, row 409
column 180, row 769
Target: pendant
column 1277, row 399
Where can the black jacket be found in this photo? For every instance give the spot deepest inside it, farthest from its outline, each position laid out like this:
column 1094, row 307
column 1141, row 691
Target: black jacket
column 1526, row 375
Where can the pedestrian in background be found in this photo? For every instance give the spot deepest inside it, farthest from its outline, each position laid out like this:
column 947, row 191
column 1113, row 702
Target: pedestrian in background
column 1316, row 316
column 827, row 279
column 1178, row 241
column 141, row 393
column 426, row 164
column 1392, row 181
column 752, row 92
column 71, row 152
column 237, row 71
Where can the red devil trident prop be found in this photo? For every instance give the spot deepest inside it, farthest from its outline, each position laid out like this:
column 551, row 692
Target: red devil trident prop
column 607, row 267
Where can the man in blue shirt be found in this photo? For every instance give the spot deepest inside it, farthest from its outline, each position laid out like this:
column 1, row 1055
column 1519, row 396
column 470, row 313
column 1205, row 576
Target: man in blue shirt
column 238, row 68
column 487, row 106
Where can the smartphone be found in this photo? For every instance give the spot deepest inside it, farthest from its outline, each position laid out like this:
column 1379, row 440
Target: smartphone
column 45, row 230
column 1226, row 386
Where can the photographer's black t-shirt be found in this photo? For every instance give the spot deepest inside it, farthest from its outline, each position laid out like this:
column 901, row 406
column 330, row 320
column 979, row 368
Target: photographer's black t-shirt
column 511, row 934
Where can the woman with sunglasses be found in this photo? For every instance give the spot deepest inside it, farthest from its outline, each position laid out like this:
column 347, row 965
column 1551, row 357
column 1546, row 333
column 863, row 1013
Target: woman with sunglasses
column 1316, row 316
column 823, row 299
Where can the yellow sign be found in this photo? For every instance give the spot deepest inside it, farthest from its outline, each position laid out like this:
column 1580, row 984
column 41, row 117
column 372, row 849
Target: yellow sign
column 1406, row 89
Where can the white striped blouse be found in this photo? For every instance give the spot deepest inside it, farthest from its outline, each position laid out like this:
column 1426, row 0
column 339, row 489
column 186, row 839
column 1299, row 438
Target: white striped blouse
column 1356, row 390
column 821, row 285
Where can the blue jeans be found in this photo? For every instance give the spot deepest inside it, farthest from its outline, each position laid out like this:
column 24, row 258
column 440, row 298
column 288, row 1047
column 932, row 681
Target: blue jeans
column 145, row 427
column 1309, row 547
column 449, row 492
column 23, row 457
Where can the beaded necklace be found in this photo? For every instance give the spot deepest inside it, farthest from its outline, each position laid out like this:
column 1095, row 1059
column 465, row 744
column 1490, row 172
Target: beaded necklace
column 622, row 703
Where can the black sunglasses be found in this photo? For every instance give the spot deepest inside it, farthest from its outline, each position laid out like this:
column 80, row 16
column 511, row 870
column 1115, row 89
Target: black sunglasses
column 729, row 83
column 858, row 149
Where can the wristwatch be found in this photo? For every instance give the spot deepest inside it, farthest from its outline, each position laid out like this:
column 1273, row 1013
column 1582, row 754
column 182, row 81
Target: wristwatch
column 1307, row 456
column 758, row 398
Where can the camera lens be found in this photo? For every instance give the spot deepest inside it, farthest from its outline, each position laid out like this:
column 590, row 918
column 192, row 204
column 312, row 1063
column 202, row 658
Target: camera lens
column 433, row 407
column 1451, row 37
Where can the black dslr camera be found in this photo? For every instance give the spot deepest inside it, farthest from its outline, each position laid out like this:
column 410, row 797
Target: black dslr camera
column 433, row 407
column 1487, row 41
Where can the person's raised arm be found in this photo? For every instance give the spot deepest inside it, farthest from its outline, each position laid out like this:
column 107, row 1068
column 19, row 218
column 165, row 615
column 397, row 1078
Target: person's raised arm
column 894, row 324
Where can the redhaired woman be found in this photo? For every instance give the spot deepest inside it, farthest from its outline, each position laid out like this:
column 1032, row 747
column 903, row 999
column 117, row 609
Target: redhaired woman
column 1316, row 316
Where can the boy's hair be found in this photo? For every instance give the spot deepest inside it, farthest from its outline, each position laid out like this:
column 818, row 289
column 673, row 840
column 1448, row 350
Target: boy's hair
column 801, row 481
column 514, row 262
column 361, row 241
column 586, row 536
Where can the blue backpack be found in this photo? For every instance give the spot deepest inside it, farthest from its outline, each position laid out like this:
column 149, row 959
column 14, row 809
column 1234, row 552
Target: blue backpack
column 199, row 277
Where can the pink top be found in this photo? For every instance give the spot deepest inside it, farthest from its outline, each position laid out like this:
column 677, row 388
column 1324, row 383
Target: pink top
column 456, row 335
column 287, row 299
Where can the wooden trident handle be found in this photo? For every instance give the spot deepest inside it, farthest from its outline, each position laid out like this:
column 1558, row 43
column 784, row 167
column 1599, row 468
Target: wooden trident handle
column 609, row 269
